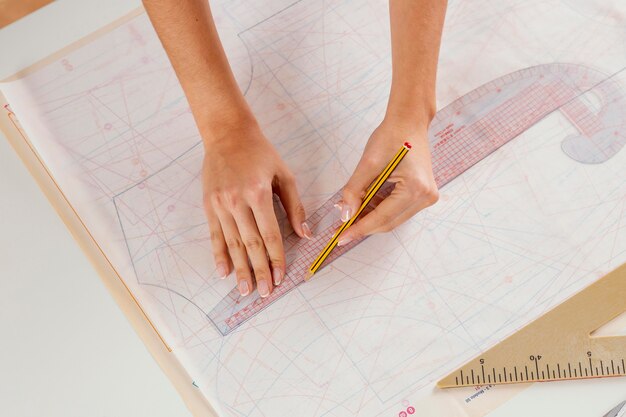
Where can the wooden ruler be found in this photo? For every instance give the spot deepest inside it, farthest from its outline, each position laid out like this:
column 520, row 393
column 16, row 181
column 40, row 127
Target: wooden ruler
column 559, row 345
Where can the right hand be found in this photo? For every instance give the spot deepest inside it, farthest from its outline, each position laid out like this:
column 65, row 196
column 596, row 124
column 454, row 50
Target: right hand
column 240, row 172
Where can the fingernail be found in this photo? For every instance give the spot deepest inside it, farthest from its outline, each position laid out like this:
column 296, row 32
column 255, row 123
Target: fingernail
column 338, row 206
column 277, row 275
column 264, row 289
column 346, row 213
column 243, row 288
column 306, row 231
column 343, row 241
column 221, row 270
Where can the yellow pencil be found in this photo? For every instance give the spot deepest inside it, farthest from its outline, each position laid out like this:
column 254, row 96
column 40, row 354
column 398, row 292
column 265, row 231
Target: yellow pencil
column 371, row 191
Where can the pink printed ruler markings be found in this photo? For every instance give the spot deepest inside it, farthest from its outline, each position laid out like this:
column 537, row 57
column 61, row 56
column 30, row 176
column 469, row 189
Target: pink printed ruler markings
column 462, row 134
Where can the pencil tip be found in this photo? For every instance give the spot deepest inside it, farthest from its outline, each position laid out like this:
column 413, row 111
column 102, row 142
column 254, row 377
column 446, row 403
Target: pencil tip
column 308, row 276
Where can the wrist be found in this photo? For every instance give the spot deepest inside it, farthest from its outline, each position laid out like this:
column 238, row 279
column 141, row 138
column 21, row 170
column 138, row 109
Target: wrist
column 414, row 121
column 411, row 107
column 225, row 123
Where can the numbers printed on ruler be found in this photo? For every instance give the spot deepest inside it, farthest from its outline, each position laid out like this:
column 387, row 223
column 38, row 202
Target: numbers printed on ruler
column 538, row 370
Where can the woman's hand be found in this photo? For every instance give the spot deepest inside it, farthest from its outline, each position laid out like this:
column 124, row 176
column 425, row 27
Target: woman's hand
column 415, row 187
column 241, row 168
column 241, row 171
column 415, row 37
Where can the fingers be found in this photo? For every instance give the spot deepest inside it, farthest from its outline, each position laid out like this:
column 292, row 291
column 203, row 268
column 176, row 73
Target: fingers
column 270, row 234
column 218, row 244
column 247, row 236
column 400, row 206
column 237, row 251
column 355, row 189
column 245, row 231
column 289, row 197
column 255, row 247
column 378, row 220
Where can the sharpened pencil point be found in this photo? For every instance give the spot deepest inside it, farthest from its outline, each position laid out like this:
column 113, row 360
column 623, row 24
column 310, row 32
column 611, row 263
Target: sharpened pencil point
column 308, row 276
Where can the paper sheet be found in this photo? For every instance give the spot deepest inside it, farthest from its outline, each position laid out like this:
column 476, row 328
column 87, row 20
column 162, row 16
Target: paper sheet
column 517, row 233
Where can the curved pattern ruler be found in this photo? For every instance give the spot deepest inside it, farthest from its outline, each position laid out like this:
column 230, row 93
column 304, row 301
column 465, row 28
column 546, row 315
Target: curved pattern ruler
column 462, row 134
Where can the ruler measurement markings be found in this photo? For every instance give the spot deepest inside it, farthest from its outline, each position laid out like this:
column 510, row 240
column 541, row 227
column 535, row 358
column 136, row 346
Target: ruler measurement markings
column 536, row 365
column 535, row 375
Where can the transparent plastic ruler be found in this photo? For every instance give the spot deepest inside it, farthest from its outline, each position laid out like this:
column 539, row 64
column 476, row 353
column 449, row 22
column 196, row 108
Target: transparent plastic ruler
column 462, row 134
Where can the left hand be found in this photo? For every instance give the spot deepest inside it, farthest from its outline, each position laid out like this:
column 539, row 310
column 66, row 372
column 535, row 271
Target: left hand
column 415, row 187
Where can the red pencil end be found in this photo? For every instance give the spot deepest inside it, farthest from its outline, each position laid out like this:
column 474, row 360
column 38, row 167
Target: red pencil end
column 407, row 145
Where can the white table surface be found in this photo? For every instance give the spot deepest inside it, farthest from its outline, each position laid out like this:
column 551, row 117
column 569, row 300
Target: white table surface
column 66, row 349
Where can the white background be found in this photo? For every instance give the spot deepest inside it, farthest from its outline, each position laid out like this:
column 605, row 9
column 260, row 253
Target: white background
column 66, row 349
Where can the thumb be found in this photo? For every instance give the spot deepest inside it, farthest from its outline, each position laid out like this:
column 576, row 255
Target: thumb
column 289, row 197
column 355, row 189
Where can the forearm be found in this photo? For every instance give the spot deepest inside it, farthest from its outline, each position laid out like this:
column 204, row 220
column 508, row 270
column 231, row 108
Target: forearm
column 416, row 27
column 188, row 34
